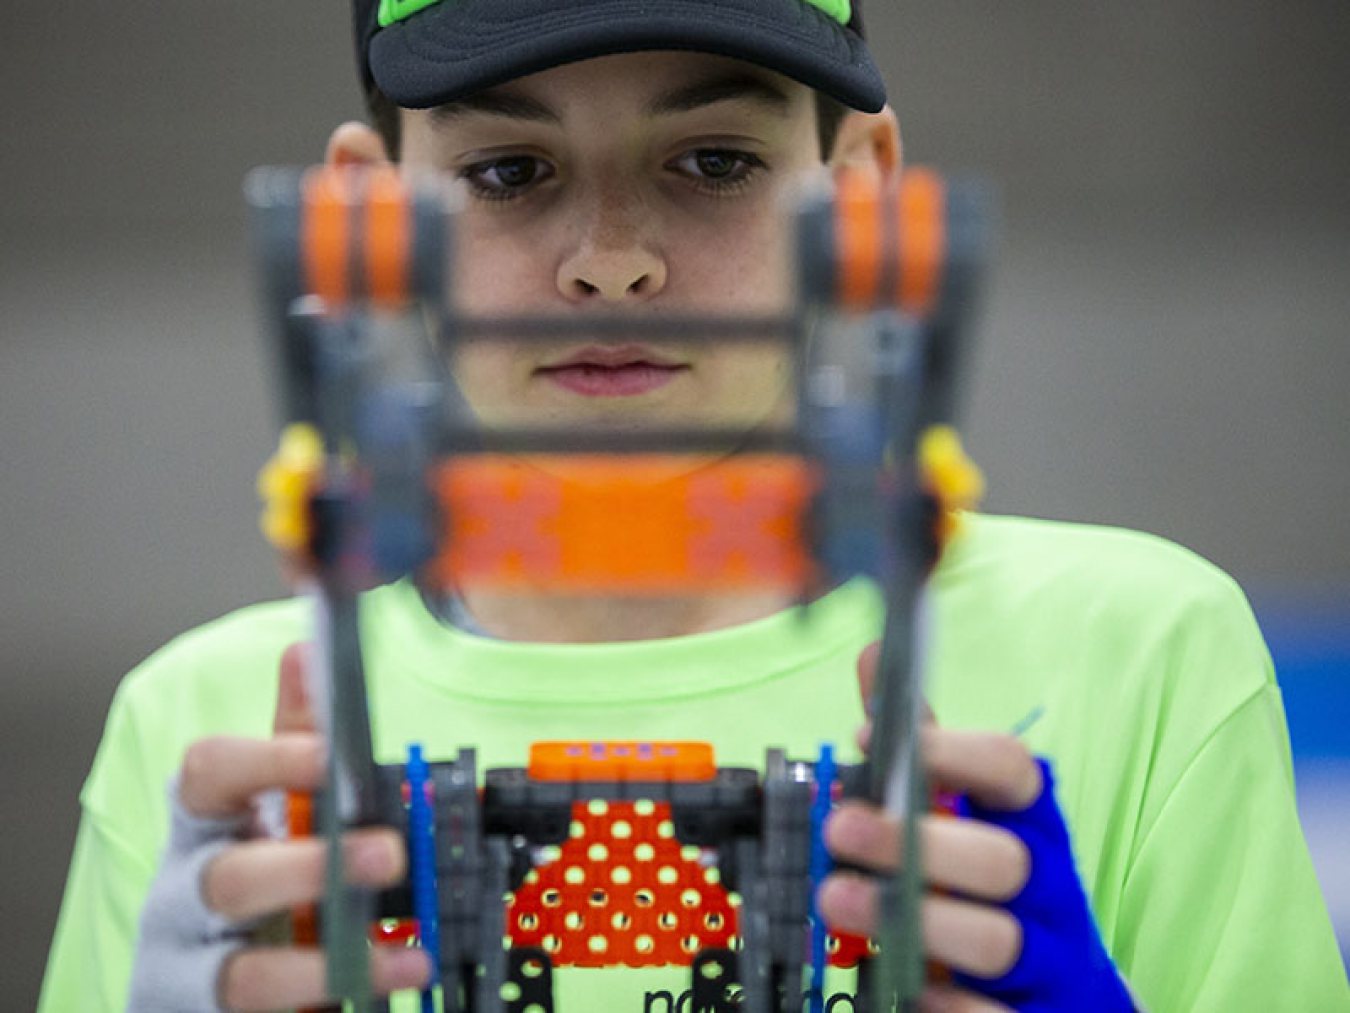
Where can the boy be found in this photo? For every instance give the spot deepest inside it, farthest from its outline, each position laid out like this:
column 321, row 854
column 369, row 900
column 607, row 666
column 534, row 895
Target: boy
column 620, row 158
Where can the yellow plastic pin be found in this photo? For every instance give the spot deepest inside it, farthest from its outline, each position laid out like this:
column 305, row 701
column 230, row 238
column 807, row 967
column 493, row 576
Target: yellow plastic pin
column 285, row 484
column 950, row 475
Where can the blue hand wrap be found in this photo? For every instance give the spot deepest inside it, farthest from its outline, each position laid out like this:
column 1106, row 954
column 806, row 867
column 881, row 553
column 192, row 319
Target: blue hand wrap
column 1063, row 965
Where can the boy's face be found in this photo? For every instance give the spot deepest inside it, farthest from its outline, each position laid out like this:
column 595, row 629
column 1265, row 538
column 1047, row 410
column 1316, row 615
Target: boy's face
column 648, row 183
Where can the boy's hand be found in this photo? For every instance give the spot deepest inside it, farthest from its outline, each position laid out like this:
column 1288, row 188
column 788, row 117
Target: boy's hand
column 219, row 877
column 1004, row 909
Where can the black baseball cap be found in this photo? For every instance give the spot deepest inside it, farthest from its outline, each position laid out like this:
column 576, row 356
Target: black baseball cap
column 423, row 53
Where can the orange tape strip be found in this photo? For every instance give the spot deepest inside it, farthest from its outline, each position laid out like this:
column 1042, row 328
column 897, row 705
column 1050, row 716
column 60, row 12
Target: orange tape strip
column 635, row 524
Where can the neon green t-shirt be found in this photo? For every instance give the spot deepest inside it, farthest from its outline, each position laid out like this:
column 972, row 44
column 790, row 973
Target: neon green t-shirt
column 1160, row 715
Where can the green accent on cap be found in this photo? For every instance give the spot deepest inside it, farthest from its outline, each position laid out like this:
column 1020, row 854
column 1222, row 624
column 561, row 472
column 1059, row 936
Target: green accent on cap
column 840, row 10
column 398, row 10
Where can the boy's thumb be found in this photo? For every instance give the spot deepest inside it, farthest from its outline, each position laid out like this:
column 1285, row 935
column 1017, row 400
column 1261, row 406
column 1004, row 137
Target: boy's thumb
column 867, row 673
column 293, row 713
column 868, row 661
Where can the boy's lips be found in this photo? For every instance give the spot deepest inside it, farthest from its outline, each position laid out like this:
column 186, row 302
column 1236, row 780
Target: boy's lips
column 612, row 372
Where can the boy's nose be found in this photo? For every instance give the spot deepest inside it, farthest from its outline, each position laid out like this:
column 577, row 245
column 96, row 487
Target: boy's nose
column 631, row 274
column 612, row 261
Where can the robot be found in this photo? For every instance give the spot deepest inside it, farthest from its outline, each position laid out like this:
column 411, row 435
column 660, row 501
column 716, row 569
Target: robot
column 599, row 853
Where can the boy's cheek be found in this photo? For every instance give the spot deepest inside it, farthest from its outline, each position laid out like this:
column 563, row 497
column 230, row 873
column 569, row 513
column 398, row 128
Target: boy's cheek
column 501, row 273
column 493, row 378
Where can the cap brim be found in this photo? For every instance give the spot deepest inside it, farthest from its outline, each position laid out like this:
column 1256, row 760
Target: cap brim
column 453, row 49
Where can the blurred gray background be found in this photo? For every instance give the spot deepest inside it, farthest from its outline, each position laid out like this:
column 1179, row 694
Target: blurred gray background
column 1164, row 345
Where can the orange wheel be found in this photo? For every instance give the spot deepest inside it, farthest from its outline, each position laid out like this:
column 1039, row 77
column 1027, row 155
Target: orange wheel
column 922, row 242
column 858, row 240
column 388, row 236
column 325, row 233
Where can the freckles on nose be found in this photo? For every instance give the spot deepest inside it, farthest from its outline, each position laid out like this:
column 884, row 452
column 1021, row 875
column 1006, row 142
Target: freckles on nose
column 614, row 220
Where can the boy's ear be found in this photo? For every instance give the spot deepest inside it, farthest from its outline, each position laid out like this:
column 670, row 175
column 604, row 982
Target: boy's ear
column 868, row 140
column 356, row 143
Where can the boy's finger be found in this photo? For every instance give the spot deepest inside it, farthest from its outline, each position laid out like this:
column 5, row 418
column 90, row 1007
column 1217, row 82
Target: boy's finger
column 961, row 934
column 868, row 659
column 974, row 938
column 995, row 770
column 975, row 859
column 950, row 999
column 293, row 713
column 221, row 775
column 259, row 877
column 867, row 673
column 863, row 737
column 267, row 978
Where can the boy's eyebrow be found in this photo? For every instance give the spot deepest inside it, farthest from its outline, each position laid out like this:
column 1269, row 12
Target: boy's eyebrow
column 736, row 87
column 512, row 105
column 497, row 102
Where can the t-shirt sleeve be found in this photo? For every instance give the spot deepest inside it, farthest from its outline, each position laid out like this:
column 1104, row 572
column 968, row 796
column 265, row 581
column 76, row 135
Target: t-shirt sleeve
column 90, row 963
column 220, row 679
column 1222, row 903
column 115, row 854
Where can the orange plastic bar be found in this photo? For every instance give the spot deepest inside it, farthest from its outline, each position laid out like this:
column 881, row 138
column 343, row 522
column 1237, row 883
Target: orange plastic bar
column 300, row 823
column 388, row 234
column 325, row 233
column 622, row 761
column 633, row 524
column 923, row 240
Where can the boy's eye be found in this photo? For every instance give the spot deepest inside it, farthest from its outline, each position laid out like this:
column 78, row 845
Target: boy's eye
column 504, row 178
column 718, row 169
column 716, row 164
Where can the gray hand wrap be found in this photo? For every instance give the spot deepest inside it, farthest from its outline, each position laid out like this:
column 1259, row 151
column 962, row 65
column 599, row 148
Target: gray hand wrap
column 182, row 944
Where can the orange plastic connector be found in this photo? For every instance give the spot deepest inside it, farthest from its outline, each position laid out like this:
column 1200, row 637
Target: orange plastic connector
column 635, row 524
column 347, row 211
column 396, row 932
column 622, row 761
column 889, row 241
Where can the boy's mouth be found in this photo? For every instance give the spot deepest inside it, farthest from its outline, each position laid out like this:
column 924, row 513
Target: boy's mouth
column 621, row 371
